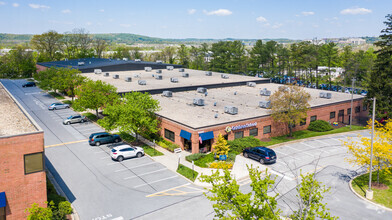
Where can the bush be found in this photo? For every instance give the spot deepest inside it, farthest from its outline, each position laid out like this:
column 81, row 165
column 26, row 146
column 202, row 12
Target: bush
column 90, row 116
column 221, row 165
column 238, row 145
column 69, row 102
column 167, row 145
column 127, row 137
column 194, row 157
column 319, row 126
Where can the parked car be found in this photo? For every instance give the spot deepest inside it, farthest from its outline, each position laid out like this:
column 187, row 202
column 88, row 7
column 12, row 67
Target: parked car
column 124, row 151
column 75, row 119
column 58, row 105
column 29, row 84
column 261, row 154
column 103, row 138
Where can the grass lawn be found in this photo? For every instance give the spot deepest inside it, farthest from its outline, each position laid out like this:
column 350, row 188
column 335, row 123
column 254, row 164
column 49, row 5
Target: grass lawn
column 56, row 95
column 151, row 151
column 380, row 196
column 187, row 172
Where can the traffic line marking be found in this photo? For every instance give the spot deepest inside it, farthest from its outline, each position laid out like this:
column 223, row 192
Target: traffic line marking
column 156, row 181
column 141, row 165
column 72, row 142
column 155, row 171
column 167, row 190
column 282, row 175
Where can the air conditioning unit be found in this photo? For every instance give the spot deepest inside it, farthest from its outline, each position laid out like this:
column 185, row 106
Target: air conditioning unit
column 106, row 74
column 97, row 71
column 159, row 77
column 251, row 84
column 185, row 74
column 125, row 59
column 142, row 82
column 158, row 71
column 181, row 70
column 136, row 75
column 148, row 68
column 326, row 95
column 265, row 92
column 128, row 79
column 201, row 90
column 116, row 76
column 169, row 67
column 322, row 94
column 199, row 102
column 138, row 60
column 174, row 80
column 80, row 63
column 231, row 110
column 329, row 95
column 208, row 73
column 224, row 76
column 167, row 93
column 265, row 104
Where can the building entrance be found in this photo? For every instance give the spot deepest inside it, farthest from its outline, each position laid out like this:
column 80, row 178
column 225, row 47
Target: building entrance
column 205, row 146
column 187, row 145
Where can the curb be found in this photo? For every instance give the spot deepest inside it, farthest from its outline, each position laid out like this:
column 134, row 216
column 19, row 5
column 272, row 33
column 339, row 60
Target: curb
column 364, row 199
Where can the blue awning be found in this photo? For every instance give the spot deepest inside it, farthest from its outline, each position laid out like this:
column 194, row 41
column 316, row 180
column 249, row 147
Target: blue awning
column 206, row 135
column 2, row 200
column 185, row 135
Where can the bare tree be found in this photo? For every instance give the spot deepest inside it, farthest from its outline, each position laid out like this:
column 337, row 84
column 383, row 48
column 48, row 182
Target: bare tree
column 99, row 46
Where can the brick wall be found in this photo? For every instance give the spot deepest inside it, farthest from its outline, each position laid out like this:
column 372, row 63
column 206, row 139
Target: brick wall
column 21, row 190
column 40, row 68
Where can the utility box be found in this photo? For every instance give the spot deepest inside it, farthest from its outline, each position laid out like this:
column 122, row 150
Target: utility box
column 201, row 90
column 231, row 110
column 167, row 93
column 265, row 104
column 199, row 102
column 142, row 82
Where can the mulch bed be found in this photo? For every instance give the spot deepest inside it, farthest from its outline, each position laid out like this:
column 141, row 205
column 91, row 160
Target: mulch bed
column 381, row 186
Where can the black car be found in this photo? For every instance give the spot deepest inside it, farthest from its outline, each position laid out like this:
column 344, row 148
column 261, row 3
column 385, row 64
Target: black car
column 29, row 84
column 103, row 138
column 261, row 154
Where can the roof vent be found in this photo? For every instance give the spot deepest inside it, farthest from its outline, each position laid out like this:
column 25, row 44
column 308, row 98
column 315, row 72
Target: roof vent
column 326, row 95
column 208, row 73
column 251, row 84
column 235, row 93
column 199, row 102
column 80, row 63
column 181, row 70
column 186, row 75
column 169, row 67
column 231, row 110
column 158, row 71
column 128, row 79
column 201, row 90
column 97, row 71
column 106, row 74
column 216, row 115
column 224, row 76
column 142, row 82
column 125, row 59
column 167, row 93
column 215, row 103
column 116, row 76
column 138, row 60
column 148, row 68
column 174, row 80
column 265, row 92
column 159, row 77
column 265, row 104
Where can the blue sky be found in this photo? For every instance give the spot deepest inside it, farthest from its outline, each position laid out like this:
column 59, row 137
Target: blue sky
column 294, row 19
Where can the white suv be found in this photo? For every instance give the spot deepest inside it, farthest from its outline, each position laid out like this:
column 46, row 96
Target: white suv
column 123, row 151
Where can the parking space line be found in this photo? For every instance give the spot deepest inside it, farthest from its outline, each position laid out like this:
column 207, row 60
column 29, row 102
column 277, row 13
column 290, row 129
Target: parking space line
column 155, row 171
column 156, row 181
column 72, row 142
column 315, row 148
column 301, row 151
column 279, row 152
column 99, row 152
column 166, row 190
column 322, row 142
column 281, row 174
column 109, row 164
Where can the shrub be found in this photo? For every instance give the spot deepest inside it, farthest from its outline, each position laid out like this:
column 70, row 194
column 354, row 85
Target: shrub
column 319, row 126
column 90, row 116
column 167, row 145
column 69, row 102
column 194, row 157
column 238, row 145
column 126, row 137
column 220, row 165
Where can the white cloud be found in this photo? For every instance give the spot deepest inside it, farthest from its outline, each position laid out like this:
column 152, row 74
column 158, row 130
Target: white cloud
column 66, row 11
column 261, row 19
column 307, row 13
column 102, row 10
column 15, row 5
column 355, row 11
column 277, row 25
column 191, row 11
column 2, row 3
column 125, row 25
column 37, row 6
column 219, row 12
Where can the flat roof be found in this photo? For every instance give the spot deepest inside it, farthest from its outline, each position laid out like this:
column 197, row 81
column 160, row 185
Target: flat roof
column 180, row 108
column 196, row 78
column 12, row 120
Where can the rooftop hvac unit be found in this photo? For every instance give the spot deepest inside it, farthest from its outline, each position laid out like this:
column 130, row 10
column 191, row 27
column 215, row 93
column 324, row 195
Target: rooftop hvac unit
column 224, row 76
column 208, row 73
column 185, row 74
column 201, row 90
column 106, row 74
column 265, row 104
column 167, row 93
column 199, row 102
column 265, row 92
column 97, row 71
column 169, row 67
column 136, row 75
column 326, row 95
column 231, row 110
column 142, row 82
column 138, row 60
column 148, row 68
column 329, row 95
column 181, row 70
column 158, row 71
column 128, row 79
column 174, row 80
column 80, row 63
column 251, row 84
column 125, row 59
column 159, row 61
column 115, row 76
column 159, row 77
column 283, row 88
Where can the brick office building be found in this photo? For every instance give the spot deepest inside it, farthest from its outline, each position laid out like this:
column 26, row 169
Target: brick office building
column 22, row 175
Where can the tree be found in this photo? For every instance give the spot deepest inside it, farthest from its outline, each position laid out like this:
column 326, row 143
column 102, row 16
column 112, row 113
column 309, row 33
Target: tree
column 329, row 57
column 183, row 55
column 45, row 78
column 94, row 95
column 221, row 147
column 134, row 113
column 230, row 203
column 39, row 213
column 18, row 63
column 382, row 148
column 99, row 46
column 289, row 105
column 48, row 43
column 68, row 80
column 168, row 54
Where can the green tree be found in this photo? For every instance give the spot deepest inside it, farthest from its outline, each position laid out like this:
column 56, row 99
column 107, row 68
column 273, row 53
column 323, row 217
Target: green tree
column 221, row 147
column 290, row 105
column 18, row 63
column 94, row 95
column 99, row 45
column 68, row 80
column 134, row 113
column 39, row 213
column 183, row 55
column 48, row 43
column 329, row 58
column 46, row 77
column 168, row 54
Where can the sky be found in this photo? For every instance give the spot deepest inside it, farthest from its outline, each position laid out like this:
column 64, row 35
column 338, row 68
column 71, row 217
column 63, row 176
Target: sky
column 218, row 19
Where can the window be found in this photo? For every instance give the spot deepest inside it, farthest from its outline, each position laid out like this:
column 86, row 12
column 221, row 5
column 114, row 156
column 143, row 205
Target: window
column 332, row 115
column 267, row 129
column 2, row 213
column 239, row 134
column 349, row 111
column 341, row 113
column 357, row 109
column 313, row 118
column 33, row 163
column 169, row 135
column 253, row 132
column 364, row 107
column 303, row 122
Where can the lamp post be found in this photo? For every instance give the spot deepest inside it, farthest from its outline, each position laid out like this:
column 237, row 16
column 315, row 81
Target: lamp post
column 352, row 98
column 369, row 192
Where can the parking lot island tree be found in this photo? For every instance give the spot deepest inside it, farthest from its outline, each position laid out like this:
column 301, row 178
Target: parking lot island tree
column 133, row 113
column 94, row 95
column 221, row 147
column 290, row 105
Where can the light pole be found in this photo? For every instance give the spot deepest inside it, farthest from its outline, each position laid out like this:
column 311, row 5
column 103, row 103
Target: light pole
column 369, row 192
column 352, row 97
